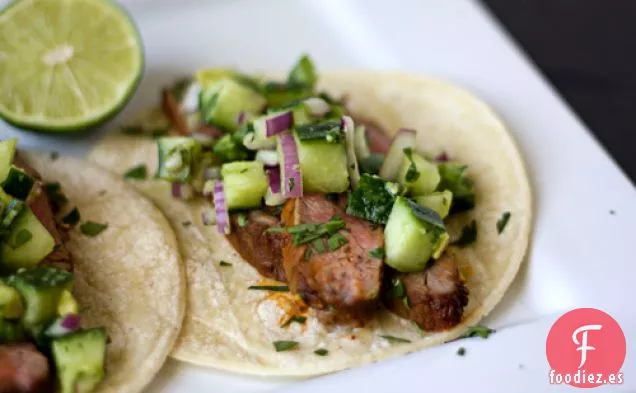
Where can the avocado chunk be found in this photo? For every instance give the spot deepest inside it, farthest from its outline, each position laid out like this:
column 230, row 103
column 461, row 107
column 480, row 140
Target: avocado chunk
column 413, row 235
column 244, row 183
column 223, row 101
column 7, row 152
column 41, row 289
column 453, row 178
column 11, row 332
column 417, row 174
column 177, row 156
column 27, row 243
column 10, row 302
column 80, row 359
column 439, row 201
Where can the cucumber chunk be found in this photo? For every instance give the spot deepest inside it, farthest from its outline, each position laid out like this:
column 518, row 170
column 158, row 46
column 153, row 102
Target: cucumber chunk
column 27, row 244
column 323, row 165
column 413, row 235
column 438, row 201
column 303, row 72
column 223, row 101
column 10, row 208
column 417, row 174
column 176, row 158
column 18, row 183
column 11, row 332
column 228, row 150
column 454, row 179
column 245, row 184
column 10, row 302
column 41, row 289
column 7, row 152
column 80, row 359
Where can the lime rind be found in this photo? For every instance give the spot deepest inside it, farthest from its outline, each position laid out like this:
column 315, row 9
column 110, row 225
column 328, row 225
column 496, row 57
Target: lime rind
column 49, row 79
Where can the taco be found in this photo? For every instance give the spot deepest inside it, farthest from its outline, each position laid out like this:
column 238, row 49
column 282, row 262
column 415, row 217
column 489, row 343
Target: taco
column 330, row 223
column 91, row 281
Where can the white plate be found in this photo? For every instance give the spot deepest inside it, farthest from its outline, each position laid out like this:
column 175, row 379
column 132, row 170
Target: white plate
column 581, row 254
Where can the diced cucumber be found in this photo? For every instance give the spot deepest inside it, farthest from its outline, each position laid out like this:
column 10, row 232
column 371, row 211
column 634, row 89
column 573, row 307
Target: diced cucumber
column 80, row 359
column 244, row 183
column 228, row 150
column 438, row 201
column 18, row 183
column 413, row 235
column 303, row 72
column 10, row 302
column 41, row 289
column 209, row 76
column 323, row 165
column 10, row 208
column 417, row 174
column 224, row 100
column 27, row 244
column 372, row 199
column 279, row 94
column 68, row 304
column 7, row 152
column 11, row 332
column 258, row 139
column 176, row 158
column 453, row 178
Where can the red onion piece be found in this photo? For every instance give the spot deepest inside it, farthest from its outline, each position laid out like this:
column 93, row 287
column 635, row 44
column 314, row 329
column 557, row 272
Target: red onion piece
column 222, row 217
column 176, row 190
column 442, row 157
column 278, row 123
column 292, row 179
column 240, row 120
column 393, row 160
column 352, row 161
column 64, row 325
column 317, row 106
column 182, row 191
column 210, row 131
column 273, row 174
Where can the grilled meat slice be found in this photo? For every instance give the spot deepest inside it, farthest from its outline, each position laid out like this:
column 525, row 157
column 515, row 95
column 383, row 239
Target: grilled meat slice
column 436, row 296
column 260, row 249
column 44, row 211
column 347, row 279
column 23, row 369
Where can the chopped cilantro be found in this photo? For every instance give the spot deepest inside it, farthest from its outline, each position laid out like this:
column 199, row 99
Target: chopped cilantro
column 405, row 301
column 223, row 263
column 282, row 346
column 273, row 288
column 186, row 223
column 294, row 318
column 241, row 220
column 468, row 235
column 21, row 238
column 319, row 245
column 397, row 288
column 321, row 352
column 377, row 253
column 481, row 331
column 461, row 351
column 72, row 218
column 138, row 172
column 291, row 182
column 308, row 253
column 394, row 339
column 54, row 155
column 92, row 229
column 336, row 241
column 503, row 221
column 412, row 174
column 54, row 193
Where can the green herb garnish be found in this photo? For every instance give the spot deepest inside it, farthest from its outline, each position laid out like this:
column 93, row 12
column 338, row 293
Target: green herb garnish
column 420, row 331
column 321, row 352
column 468, row 235
column 54, row 193
column 479, row 331
column 307, row 233
column 461, row 351
column 412, row 174
column 278, row 209
column 308, row 253
column 377, row 253
column 329, row 131
column 405, row 301
column 332, row 197
column 21, row 238
column 72, row 218
column 186, row 223
column 138, row 172
column 503, row 221
column 394, row 339
column 54, row 155
column 241, row 219
column 273, row 288
column 223, row 263
column 294, row 318
column 291, row 182
column 92, row 229
column 319, row 245
column 336, row 241
column 282, row 346
column 397, row 288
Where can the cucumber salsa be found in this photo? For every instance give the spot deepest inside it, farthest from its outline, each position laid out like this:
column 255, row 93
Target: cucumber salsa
column 39, row 315
column 278, row 146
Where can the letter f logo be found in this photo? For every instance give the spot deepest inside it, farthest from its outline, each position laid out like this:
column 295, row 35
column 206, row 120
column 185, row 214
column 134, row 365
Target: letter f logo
column 584, row 347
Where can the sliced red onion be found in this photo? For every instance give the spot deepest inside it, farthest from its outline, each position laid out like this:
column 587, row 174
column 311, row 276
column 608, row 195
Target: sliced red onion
column 222, row 217
column 292, row 182
column 208, row 217
column 64, row 325
column 352, row 162
column 210, row 131
column 442, row 157
column 317, row 106
column 267, row 157
column 393, row 160
column 277, row 123
column 241, row 118
column 182, row 191
column 273, row 174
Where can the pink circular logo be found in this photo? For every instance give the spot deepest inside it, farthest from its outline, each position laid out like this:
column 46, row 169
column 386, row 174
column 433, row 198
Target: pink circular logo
column 586, row 348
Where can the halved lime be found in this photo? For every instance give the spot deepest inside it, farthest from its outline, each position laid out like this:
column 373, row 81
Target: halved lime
column 66, row 65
